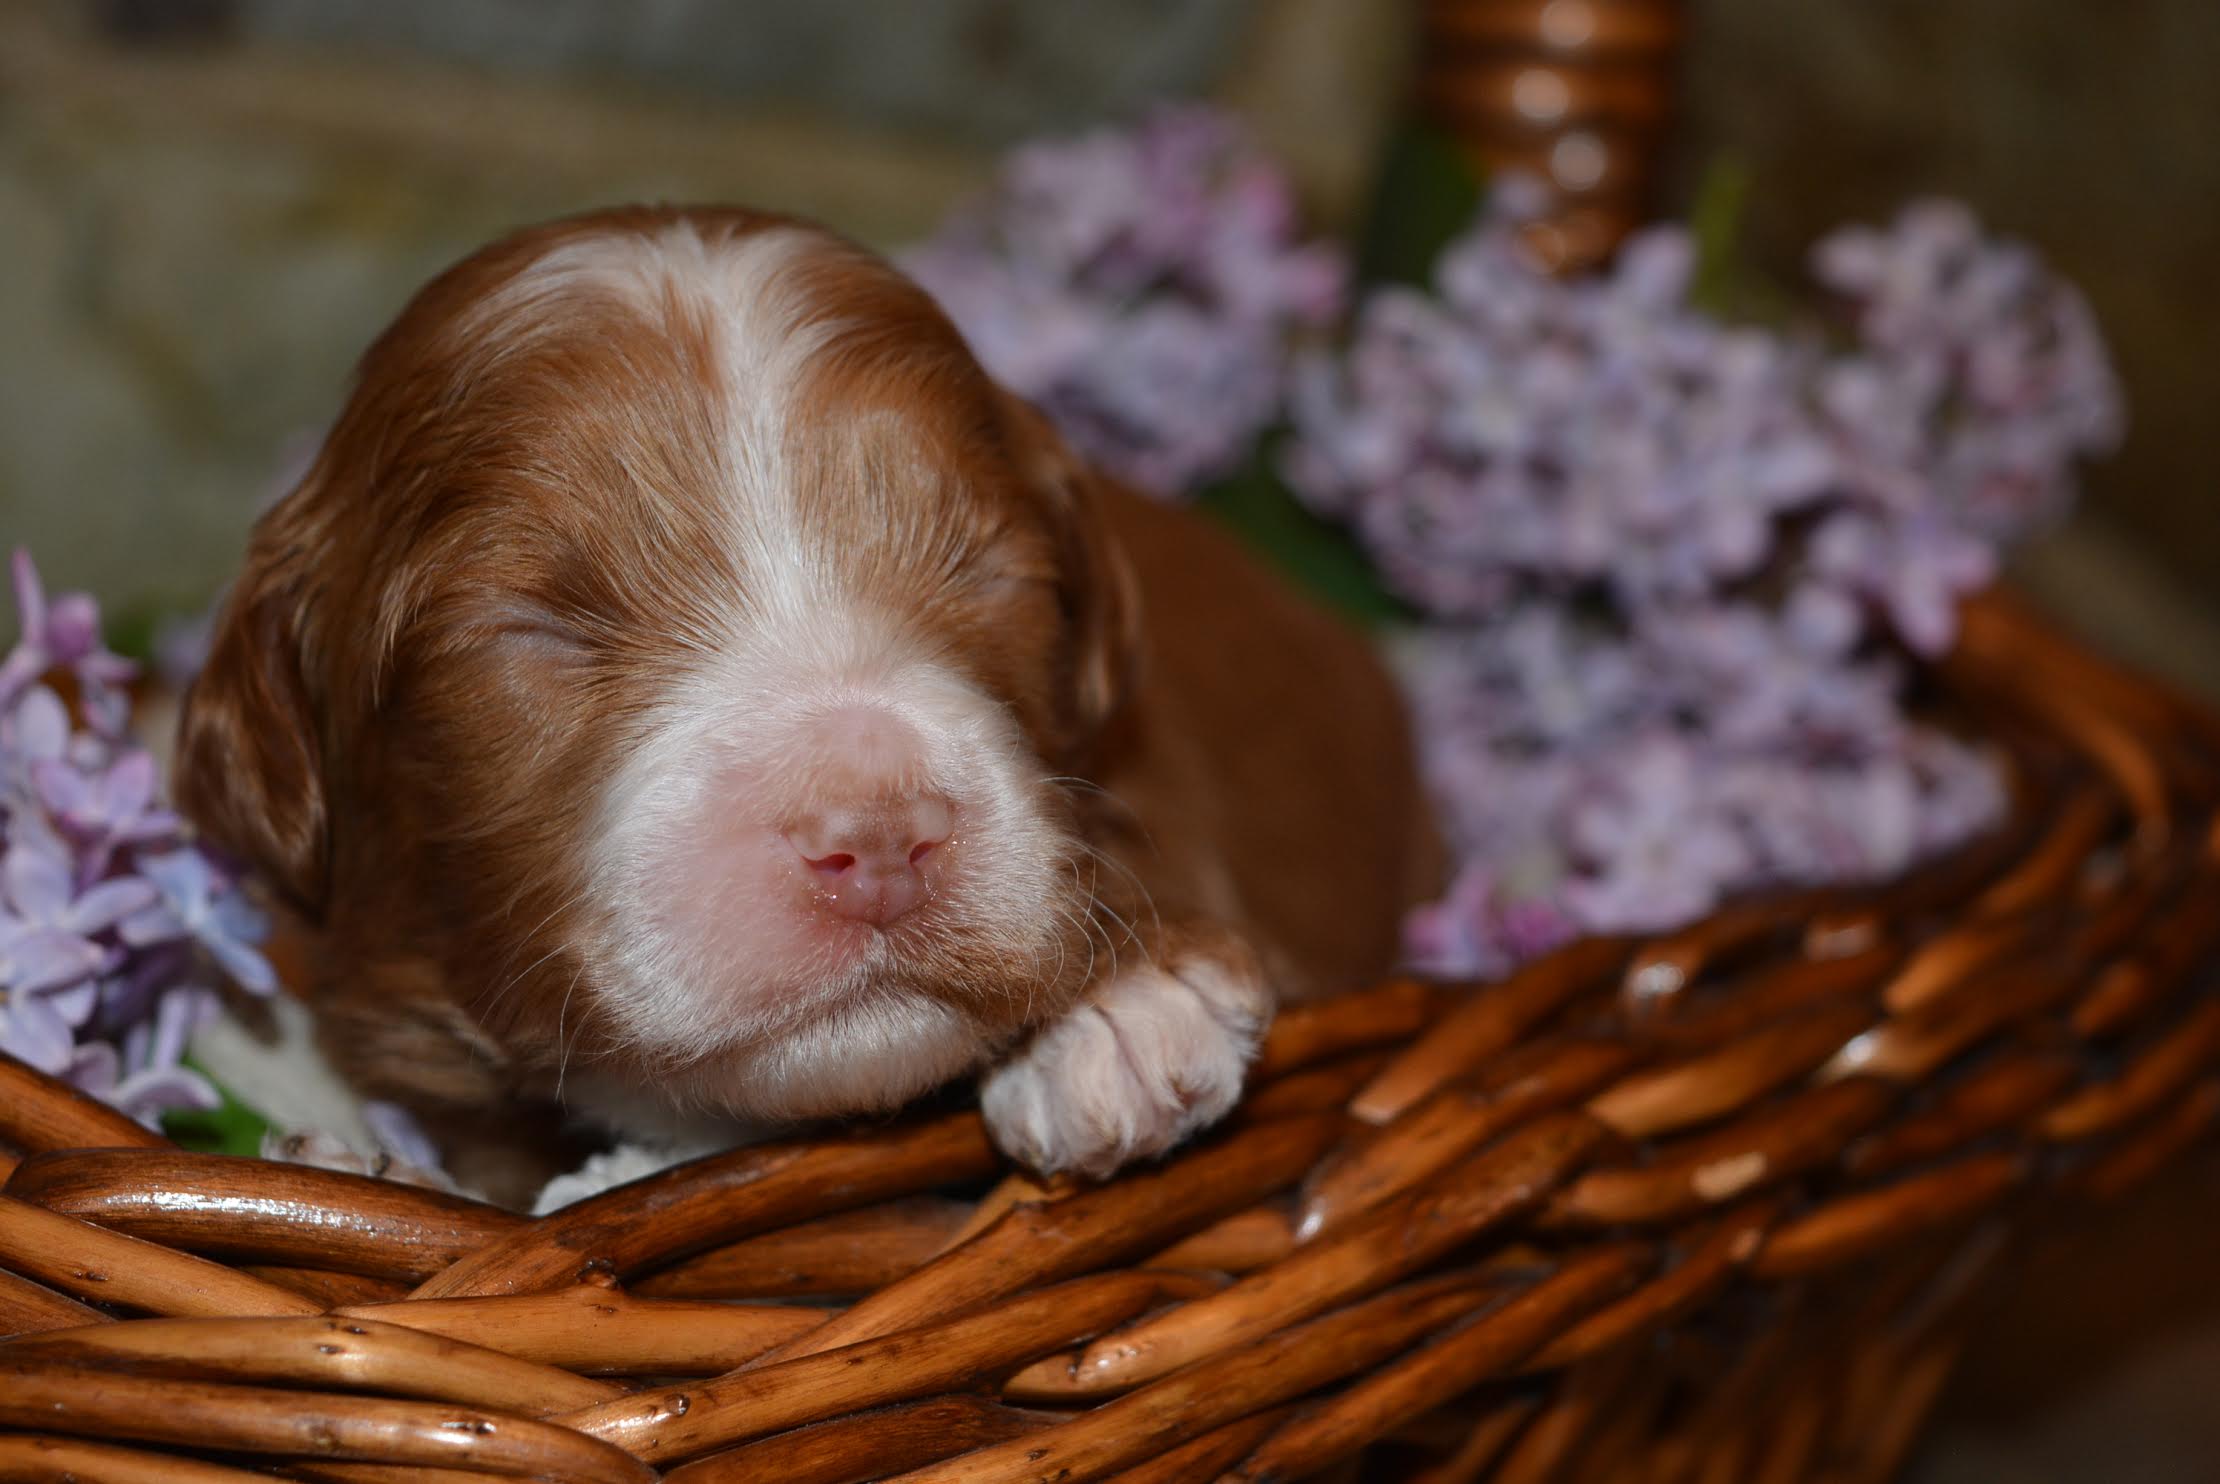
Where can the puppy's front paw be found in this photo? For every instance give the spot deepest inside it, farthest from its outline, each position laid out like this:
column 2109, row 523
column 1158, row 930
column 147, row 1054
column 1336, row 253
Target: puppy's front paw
column 1144, row 1061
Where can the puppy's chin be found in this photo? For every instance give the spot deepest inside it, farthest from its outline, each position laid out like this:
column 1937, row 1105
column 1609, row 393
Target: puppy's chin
column 785, row 1001
column 792, row 1014
column 867, row 1053
column 871, row 1051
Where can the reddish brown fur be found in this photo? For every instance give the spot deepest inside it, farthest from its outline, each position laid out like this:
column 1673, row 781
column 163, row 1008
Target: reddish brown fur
column 397, row 728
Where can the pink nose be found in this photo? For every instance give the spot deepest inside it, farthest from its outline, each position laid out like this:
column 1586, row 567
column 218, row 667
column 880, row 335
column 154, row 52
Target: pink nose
column 875, row 862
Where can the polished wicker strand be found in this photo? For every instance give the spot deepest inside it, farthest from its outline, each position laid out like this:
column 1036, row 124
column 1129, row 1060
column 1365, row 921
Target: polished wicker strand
column 1713, row 1205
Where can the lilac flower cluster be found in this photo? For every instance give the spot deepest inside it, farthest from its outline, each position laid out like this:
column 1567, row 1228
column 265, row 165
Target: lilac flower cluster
column 1142, row 287
column 1593, row 780
column 109, row 914
column 1669, row 559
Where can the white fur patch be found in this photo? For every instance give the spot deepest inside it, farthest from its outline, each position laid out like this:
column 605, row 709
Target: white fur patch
column 612, row 1168
column 291, row 1083
column 1148, row 1059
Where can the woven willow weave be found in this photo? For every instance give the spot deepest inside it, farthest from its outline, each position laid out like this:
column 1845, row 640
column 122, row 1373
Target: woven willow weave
column 1709, row 1206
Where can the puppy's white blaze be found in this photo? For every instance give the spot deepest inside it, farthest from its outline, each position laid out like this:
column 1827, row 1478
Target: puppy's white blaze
column 755, row 1008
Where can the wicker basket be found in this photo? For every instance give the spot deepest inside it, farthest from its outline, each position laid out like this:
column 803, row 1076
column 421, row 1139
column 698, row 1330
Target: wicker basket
column 1710, row 1206
column 1706, row 1207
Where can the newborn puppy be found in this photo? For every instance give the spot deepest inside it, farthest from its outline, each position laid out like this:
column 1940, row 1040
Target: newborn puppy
column 686, row 687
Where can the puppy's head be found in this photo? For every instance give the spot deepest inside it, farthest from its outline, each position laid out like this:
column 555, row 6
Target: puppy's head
column 676, row 649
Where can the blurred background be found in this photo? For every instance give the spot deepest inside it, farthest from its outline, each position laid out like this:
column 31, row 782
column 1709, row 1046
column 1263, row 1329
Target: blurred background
column 207, row 208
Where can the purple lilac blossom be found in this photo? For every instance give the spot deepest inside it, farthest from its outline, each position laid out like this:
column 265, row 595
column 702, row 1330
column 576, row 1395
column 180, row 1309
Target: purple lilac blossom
column 1142, row 287
column 63, row 635
column 109, row 914
column 1667, row 561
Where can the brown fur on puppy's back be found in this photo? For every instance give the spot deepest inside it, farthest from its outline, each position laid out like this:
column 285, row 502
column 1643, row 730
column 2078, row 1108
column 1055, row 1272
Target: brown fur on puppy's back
column 1302, row 775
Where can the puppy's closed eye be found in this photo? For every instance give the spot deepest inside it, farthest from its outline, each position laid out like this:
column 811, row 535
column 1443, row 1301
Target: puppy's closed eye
column 529, row 633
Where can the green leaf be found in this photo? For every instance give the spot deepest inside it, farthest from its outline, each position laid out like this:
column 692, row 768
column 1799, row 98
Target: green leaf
column 130, row 630
column 1427, row 193
column 1722, row 200
column 1728, row 284
column 230, row 1128
column 1317, row 554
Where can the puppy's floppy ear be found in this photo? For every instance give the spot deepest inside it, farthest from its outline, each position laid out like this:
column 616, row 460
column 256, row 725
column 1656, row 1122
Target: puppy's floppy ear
column 249, row 770
column 1101, row 600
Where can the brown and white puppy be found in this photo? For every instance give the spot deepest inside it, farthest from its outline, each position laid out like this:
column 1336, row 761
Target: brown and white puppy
column 685, row 685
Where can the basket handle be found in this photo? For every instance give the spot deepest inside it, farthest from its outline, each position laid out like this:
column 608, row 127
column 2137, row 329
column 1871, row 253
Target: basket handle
column 1577, row 93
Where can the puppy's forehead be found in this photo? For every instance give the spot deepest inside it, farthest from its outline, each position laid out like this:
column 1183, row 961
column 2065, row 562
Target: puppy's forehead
column 743, row 293
column 793, row 325
column 771, row 390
